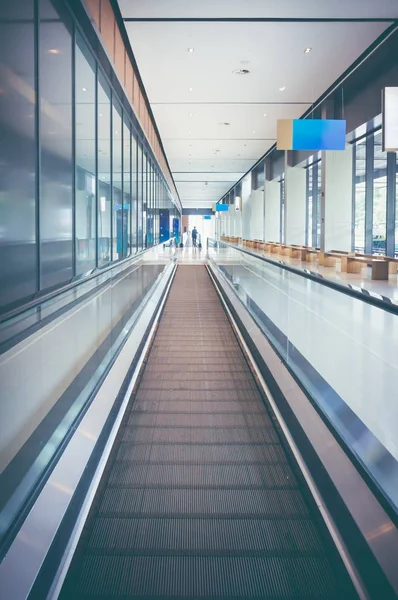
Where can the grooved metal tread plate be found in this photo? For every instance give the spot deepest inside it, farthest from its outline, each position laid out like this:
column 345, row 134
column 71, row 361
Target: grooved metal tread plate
column 199, row 498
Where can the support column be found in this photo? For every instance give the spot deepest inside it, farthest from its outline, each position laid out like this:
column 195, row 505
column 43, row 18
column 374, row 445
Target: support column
column 337, row 182
column 272, row 197
column 295, row 204
column 256, row 215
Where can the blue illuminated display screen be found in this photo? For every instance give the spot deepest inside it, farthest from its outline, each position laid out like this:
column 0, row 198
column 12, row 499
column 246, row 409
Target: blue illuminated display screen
column 222, row 207
column 319, row 134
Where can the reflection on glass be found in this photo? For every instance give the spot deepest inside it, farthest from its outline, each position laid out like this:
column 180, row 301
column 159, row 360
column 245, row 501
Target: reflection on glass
column 56, row 194
column 318, row 183
column 104, row 172
column 126, row 190
column 85, row 200
column 140, row 195
column 18, row 251
column 396, row 208
column 360, row 187
column 282, row 216
column 310, row 205
column 117, row 213
column 134, row 183
column 144, row 199
column 379, row 197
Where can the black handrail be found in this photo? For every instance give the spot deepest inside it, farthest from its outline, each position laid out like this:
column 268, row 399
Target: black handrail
column 41, row 298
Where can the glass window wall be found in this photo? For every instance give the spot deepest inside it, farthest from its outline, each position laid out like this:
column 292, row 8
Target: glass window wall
column 75, row 189
column 126, row 190
column 56, row 165
column 379, row 231
column 18, row 180
column 85, row 182
column 104, row 172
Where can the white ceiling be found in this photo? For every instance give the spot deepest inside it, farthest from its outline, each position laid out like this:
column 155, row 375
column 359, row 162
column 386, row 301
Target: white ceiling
column 292, row 9
column 191, row 122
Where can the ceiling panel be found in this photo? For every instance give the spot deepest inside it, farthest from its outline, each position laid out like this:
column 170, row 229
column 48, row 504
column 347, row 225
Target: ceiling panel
column 259, row 8
column 272, row 52
column 215, row 123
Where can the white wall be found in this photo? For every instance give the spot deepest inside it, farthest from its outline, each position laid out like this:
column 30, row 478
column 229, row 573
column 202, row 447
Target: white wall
column 338, row 184
column 295, row 205
column 257, row 215
column 272, row 198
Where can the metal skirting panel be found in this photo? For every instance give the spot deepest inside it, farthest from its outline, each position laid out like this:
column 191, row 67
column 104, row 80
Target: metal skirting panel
column 200, row 499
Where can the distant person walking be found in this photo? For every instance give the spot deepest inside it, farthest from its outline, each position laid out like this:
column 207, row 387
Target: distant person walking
column 194, row 236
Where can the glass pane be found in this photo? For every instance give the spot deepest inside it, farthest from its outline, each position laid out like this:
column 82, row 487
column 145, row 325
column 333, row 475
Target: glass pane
column 360, row 186
column 310, row 205
column 18, row 252
column 85, row 200
column 282, row 223
column 144, row 199
column 379, row 197
column 134, row 237
column 104, row 171
column 318, row 184
column 117, row 231
column 396, row 207
column 126, row 190
column 56, row 194
column 140, row 196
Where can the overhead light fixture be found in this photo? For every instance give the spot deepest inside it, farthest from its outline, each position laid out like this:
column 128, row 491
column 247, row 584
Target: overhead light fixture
column 189, row 132
column 282, row 89
column 100, row 114
column 190, row 89
column 190, row 115
column 53, row 51
column 241, row 72
column 254, row 132
column 84, row 89
column 265, row 114
column 191, row 50
column 307, row 50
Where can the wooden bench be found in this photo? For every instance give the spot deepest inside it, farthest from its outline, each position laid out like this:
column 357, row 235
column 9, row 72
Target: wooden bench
column 354, row 264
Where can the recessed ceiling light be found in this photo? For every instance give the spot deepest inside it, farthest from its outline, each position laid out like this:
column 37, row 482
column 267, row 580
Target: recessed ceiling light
column 190, row 115
column 53, row 51
column 282, row 89
column 307, row 50
column 241, row 72
column 84, row 89
column 190, row 89
column 189, row 132
column 100, row 114
column 191, row 50
column 254, row 132
column 265, row 114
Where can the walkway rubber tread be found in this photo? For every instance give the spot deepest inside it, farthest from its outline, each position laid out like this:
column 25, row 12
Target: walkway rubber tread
column 199, row 498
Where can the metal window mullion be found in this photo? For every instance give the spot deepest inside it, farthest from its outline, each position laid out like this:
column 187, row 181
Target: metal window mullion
column 391, row 204
column 36, row 41
column 369, row 166
column 74, row 166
